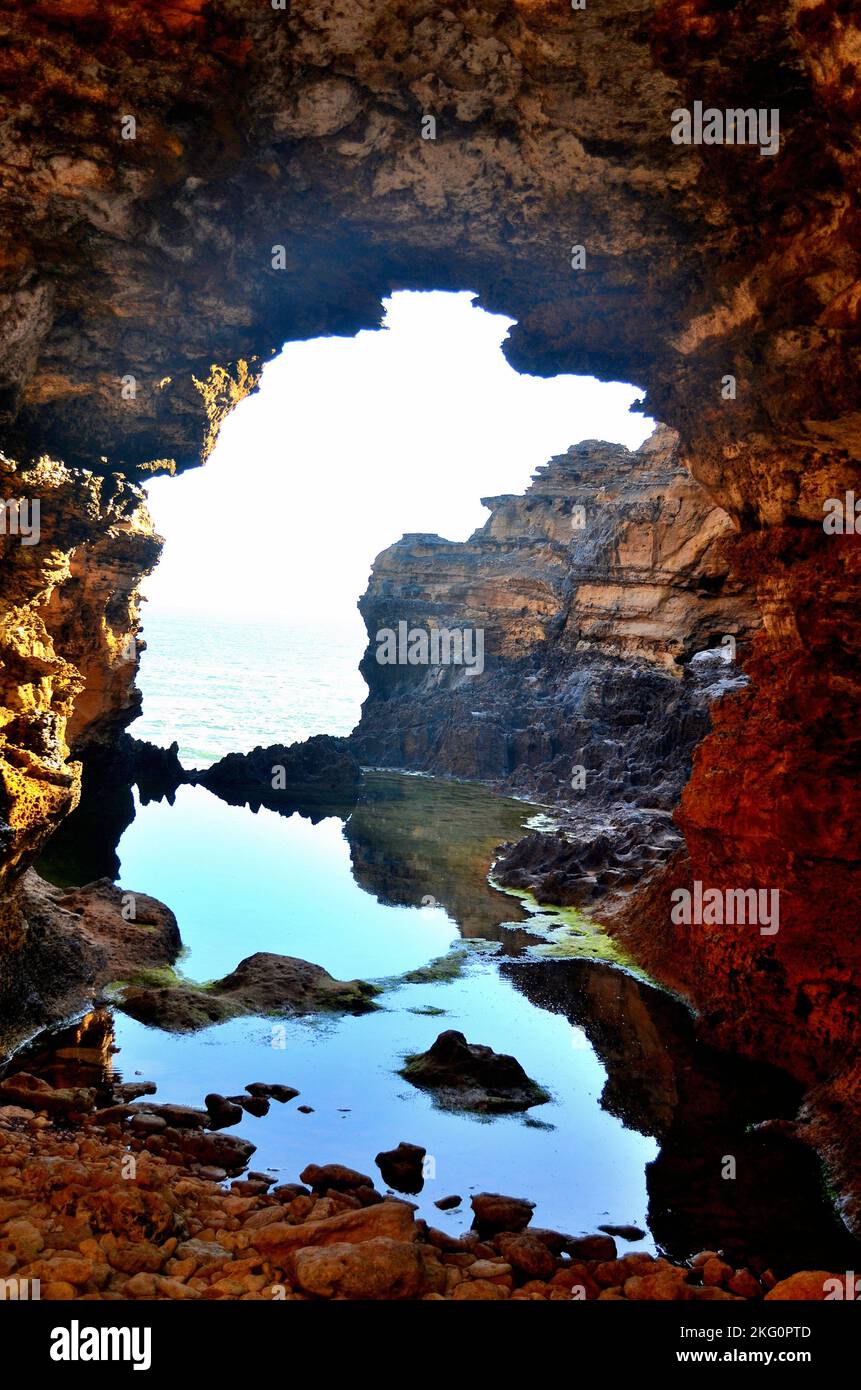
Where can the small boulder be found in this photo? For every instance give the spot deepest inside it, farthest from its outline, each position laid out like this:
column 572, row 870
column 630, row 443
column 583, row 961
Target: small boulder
column 470, row 1076
column 402, row 1168
column 222, row 1111
column 379, row 1268
column 493, row 1213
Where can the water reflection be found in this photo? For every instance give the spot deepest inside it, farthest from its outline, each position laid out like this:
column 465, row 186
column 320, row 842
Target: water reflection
column 641, row 1116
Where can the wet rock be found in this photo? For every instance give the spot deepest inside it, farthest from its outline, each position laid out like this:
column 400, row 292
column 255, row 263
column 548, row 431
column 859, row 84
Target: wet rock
column 177, row 1008
column 177, row 1116
column 493, row 1213
column 143, row 1123
column 624, row 1232
column 127, row 1091
column 448, row 1203
column 222, row 1111
column 556, row 1241
column 227, row 1151
column 32, row 1093
column 470, row 1076
column 402, row 1168
column 252, row 1105
column 269, row 1090
column 269, row 983
column 285, row 1192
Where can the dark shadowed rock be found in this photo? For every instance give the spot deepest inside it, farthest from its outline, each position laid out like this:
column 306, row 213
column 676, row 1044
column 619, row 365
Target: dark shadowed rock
column 272, row 1091
column 448, row 1203
column 470, row 1076
column 284, row 776
column 402, row 1168
column 252, row 1105
column 222, row 1111
column 624, row 1232
column 227, row 1151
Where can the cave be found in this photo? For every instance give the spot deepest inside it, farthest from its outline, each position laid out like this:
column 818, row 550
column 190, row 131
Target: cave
column 163, row 244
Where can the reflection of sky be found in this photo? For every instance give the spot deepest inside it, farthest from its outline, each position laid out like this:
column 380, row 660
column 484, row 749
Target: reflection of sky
column 241, row 883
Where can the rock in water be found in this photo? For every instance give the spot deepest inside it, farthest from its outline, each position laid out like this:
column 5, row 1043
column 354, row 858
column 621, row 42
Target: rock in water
column 494, row 1213
column 470, row 1076
column 286, row 775
column 403, row 1168
column 264, row 983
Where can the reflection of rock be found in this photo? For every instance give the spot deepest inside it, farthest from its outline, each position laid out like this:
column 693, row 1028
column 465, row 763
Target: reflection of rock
column 701, row 1105
column 84, row 847
column 261, row 984
column 416, row 842
column 284, row 777
column 469, row 1076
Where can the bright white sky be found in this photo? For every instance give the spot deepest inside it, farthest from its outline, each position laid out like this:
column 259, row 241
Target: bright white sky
column 349, row 443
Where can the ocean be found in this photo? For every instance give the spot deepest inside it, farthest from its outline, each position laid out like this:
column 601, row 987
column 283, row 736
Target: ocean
column 225, row 685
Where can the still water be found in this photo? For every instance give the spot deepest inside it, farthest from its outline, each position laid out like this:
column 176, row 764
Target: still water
column 395, row 890
column 406, row 888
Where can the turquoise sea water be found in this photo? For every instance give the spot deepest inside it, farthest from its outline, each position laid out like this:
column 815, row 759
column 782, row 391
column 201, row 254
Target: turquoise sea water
column 226, row 685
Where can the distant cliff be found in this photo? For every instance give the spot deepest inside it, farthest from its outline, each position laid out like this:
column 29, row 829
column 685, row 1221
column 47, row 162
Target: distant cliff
column 596, row 592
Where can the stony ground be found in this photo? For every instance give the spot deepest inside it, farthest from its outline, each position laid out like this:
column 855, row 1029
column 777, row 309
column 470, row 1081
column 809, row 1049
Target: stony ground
column 92, row 1213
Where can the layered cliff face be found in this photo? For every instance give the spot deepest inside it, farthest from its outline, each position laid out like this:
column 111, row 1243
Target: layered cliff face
column 603, row 607
column 187, row 185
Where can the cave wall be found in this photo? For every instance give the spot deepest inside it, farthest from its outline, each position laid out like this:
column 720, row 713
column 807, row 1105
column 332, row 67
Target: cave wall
column 152, row 258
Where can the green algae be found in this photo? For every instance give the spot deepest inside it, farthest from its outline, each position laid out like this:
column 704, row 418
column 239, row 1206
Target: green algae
column 565, row 932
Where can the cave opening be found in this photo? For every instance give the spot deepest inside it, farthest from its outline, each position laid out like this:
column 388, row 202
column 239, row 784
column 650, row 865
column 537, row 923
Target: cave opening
column 349, row 444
